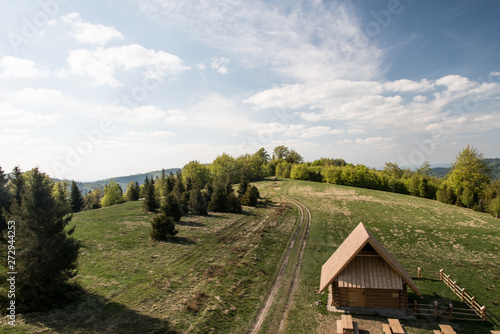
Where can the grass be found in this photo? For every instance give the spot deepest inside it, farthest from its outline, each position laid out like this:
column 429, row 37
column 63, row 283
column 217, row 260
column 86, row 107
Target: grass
column 418, row 232
column 212, row 277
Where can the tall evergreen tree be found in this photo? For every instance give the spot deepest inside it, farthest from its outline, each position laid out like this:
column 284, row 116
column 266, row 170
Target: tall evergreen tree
column 171, row 207
column 17, row 183
column 46, row 257
column 150, row 204
column 133, row 191
column 198, row 204
column 5, row 199
column 76, row 198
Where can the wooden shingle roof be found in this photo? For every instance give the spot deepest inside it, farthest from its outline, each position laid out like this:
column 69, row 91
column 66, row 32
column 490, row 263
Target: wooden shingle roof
column 351, row 246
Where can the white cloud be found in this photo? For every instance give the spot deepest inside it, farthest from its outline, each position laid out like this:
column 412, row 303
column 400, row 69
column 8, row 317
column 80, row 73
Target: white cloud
column 14, row 116
column 220, row 64
column 100, row 64
column 455, row 82
column 310, row 41
column 405, row 85
column 85, row 32
column 13, row 67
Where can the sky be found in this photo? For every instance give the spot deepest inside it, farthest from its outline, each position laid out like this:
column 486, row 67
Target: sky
column 96, row 89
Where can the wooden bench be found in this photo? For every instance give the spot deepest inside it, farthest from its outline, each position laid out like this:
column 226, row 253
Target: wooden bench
column 347, row 324
column 396, row 326
column 386, row 328
column 447, row 329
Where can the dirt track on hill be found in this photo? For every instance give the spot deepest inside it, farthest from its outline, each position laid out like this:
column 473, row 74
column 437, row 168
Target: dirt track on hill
column 298, row 241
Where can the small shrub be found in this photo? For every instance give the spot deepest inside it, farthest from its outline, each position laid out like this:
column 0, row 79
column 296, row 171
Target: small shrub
column 162, row 227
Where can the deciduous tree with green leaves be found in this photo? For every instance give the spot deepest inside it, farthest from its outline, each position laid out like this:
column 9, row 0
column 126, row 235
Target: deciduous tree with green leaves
column 469, row 175
column 113, row 194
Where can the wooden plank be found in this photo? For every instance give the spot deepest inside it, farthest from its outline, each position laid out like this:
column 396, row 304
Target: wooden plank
column 386, row 328
column 340, row 330
column 447, row 329
column 347, row 323
column 495, row 332
column 436, row 331
column 396, row 326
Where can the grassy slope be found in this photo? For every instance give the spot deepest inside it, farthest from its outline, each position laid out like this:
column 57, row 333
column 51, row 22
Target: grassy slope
column 417, row 231
column 210, row 279
column 223, row 265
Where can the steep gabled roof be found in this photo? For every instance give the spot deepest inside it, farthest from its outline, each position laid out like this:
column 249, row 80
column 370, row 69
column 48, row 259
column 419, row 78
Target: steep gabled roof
column 350, row 248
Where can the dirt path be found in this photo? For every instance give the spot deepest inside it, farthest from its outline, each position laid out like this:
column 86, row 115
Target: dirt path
column 298, row 242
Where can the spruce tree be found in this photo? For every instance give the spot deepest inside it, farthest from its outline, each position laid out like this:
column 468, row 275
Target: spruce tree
column 5, row 199
column 197, row 203
column 162, row 227
column 46, row 257
column 150, row 204
column 133, row 191
column 171, row 207
column 76, row 198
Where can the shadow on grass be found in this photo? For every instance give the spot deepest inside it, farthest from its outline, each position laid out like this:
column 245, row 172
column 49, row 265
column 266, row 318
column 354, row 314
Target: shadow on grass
column 190, row 223
column 181, row 241
column 94, row 314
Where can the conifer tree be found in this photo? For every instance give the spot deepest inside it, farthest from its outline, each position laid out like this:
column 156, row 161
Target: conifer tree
column 46, row 256
column 197, row 203
column 150, row 204
column 162, row 227
column 133, row 191
column 76, row 199
column 5, row 199
column 17, row 183
column 171, row 207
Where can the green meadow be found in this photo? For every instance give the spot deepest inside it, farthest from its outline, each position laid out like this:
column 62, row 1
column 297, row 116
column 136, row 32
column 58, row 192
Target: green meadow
column 214, row 276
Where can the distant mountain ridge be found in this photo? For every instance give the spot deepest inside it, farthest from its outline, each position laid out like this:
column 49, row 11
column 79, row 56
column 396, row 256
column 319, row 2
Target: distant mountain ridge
column 85, row 187
column 493, row 163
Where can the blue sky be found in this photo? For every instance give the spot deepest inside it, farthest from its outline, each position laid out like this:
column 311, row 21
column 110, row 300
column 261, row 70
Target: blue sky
column 96, row 89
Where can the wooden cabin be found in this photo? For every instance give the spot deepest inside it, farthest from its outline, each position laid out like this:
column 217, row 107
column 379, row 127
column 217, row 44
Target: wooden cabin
column 362, row 273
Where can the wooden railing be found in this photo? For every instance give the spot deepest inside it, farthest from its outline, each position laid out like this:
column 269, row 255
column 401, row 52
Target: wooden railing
column 453, row 313
column 464, row 295
column 476, row 310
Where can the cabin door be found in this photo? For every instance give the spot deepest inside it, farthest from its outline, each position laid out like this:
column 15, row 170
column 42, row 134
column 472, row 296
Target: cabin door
column 356, row 297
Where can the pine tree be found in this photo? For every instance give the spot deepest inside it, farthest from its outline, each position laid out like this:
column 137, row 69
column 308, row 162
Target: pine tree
column 46, row 256
column 251, row 197
column 17, row 183
column 133, row 191
column 197, row 203
column 76, row 198
column 171, row 208
column 150, row 204
column 5, row 200
column 162, row 227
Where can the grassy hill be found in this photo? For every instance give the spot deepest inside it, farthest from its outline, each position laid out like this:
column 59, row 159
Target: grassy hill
column 215, row 275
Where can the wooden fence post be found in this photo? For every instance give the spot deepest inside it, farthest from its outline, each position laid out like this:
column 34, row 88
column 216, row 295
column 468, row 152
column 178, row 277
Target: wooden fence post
column 483, row 313
column 462, row 295
column 451, row 311
column 436, row 313
column 441, row 274
column 418, row 272
column 454, row 287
